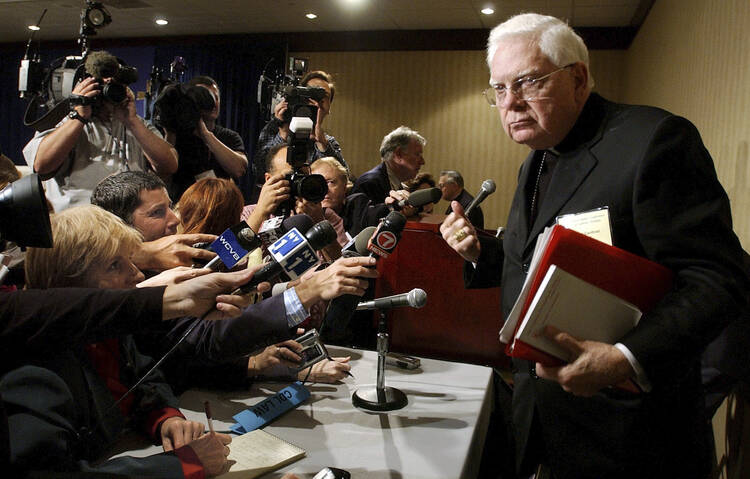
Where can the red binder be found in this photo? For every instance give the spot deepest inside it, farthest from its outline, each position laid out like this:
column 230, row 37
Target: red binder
column 630, row 277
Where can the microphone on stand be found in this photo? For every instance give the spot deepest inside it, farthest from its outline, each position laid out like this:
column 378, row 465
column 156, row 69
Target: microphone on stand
column 416, row 298
column 488, row 187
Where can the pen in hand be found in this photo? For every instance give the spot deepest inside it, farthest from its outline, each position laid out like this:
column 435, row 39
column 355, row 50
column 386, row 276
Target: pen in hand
column 207, row 409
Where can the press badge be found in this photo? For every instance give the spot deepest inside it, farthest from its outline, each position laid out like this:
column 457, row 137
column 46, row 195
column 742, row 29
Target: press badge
column 592, row 223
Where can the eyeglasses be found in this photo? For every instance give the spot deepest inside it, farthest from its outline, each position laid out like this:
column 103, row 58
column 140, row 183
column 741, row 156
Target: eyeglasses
column 526, row 88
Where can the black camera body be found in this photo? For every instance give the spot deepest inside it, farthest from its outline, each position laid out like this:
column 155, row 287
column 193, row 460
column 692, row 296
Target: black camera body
column 298, row 98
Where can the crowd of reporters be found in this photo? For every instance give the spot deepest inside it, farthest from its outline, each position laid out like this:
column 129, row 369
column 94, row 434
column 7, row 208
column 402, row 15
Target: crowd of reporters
column 124, row 284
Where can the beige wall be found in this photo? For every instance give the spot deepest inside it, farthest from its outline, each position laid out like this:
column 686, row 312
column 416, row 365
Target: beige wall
column 691, row 57
column 438, row 94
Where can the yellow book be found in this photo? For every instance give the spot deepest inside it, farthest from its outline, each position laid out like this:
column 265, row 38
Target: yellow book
column 258, row 452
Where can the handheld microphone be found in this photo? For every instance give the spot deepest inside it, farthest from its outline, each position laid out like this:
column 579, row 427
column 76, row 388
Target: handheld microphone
column 416, row 298
column 357, row 246
column 386, row 237
column 488, row 187
column 293, row 254
column 380, row 244
column 419, row 198
column 233, row 245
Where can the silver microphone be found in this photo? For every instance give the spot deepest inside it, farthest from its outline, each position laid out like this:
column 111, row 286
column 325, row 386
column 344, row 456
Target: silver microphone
column 416, row 298
column 488, row 187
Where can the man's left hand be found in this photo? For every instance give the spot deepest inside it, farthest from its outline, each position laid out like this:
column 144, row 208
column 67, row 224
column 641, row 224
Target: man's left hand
column 125, row 111
column 176, row 432
column 596, row 365
column 313, row 209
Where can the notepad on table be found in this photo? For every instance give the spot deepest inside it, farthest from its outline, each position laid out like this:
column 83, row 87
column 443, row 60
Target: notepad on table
column 258, row 452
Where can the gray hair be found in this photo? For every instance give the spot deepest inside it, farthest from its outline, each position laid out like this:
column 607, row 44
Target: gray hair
column 400, row 137
column 555, row 39
column 454, row 177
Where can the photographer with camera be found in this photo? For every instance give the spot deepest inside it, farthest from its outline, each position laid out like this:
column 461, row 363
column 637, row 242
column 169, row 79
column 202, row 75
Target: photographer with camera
column 101, row 135
column 291, row 189
column 276, row 131
column 206, row 148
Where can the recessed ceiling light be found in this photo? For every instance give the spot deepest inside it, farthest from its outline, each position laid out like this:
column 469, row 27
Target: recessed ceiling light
column 311, row 16
column 161, row 21
column 34, row 27
column 488, row 11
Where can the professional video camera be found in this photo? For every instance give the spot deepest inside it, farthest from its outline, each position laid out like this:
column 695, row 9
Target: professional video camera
column 178, row 108
column 49, row 88
column 102, row 65
column 298, row 98
column 272, row 91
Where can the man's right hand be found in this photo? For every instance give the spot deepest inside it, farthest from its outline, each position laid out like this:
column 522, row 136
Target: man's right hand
column 344, row 276
column 274, row 192
column 172, row 251
column 460, row 234
column 212, row 451
column 279, row 109
column 87, row 87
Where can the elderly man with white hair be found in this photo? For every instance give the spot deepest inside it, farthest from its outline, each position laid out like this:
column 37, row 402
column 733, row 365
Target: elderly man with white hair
column 651, row 171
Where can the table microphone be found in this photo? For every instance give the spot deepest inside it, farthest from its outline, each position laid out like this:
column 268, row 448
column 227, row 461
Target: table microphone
column 488, row 187
column 416, row 298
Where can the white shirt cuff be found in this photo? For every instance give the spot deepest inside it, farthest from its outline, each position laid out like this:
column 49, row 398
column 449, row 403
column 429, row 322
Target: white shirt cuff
column 640, row 375
column 295, row 310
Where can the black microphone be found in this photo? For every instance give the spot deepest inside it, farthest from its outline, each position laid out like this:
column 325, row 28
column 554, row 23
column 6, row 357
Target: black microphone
column 419, row 198
column 386, row 237
column 380, row 244
column 488, row 187
column 416, row 298
column 358, row 245
column 293, row 254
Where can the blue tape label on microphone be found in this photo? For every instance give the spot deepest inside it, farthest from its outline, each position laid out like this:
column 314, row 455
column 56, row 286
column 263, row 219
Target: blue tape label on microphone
column 229, row 249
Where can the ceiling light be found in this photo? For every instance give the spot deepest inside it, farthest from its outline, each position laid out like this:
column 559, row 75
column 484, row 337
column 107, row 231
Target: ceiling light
column 311, row 16
column 161, row 21
column 34, row 27
column 488, row 11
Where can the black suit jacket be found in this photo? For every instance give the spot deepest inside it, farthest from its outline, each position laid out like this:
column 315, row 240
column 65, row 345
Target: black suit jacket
column 374, row 183
column 665, row 203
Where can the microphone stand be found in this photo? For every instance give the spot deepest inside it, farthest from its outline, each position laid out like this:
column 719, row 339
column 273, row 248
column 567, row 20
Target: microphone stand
column 381, row 397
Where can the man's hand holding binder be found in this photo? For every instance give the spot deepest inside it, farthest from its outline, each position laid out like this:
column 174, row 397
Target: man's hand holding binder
column 596, row 366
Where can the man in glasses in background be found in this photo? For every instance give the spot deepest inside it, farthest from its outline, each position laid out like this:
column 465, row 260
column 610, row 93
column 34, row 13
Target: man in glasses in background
column 664, row 202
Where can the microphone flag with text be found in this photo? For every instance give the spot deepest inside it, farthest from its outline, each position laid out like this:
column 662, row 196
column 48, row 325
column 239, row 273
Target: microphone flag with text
column 488, row 187
column 233, row 245
column 416, row 298
column 293, row 253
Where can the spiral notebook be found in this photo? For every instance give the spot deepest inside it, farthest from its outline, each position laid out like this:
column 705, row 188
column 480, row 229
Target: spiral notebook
column 258, row 452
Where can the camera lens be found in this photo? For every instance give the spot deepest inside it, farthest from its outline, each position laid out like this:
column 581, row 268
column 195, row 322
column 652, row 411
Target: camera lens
column 312, row 187
column 115, row 92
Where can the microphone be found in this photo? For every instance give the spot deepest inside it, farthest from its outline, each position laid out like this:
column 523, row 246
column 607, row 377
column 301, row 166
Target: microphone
column 233, row 245
column 419, row 198
column 293, row 254
column 488, row 187
column 380, row 244
column 357, row 246
column 386, row 237
column 416, row 298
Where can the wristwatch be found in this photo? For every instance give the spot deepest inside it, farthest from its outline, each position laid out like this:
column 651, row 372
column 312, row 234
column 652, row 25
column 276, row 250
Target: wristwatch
column 74, row 115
